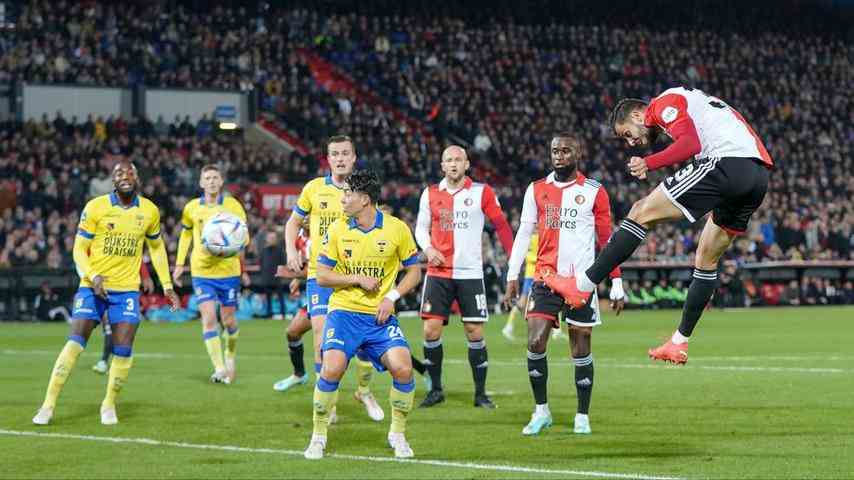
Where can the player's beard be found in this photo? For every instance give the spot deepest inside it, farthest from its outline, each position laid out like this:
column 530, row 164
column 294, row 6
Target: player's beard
column 564, row 172
column 652, row 135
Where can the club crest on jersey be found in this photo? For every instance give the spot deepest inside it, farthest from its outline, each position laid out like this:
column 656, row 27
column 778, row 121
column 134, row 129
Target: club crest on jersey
column 579, row 199
column 111, row 226
column 382, row 245
column 468, row 202
column 348, row 253
column 324, row 205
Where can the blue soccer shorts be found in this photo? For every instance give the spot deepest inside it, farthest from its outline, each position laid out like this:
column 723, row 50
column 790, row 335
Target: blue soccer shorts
column 121, row 307
column 318, row 297
column 351, row 332
column 223, row 290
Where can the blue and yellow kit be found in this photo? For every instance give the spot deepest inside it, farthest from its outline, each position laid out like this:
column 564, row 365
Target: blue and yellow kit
column 320, row 199
column 377, row 252
column 109, row 244
column 214, row 278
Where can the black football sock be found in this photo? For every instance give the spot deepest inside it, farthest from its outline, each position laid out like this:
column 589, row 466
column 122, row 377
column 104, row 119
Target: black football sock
column 417, row 365
column 623, row 243
column 295, row 350
column 433, row 354
column 699, row 293
column 108, row 343
column 584, row 381
column 538, row 373
column 479, row 362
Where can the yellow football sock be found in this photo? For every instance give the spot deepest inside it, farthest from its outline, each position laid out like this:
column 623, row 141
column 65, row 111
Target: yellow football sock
column 364, row 374
column 231, row 342
column 119, row 370
column 401, row 404
column 214, row 347
column 324, row 402
column 61, row 370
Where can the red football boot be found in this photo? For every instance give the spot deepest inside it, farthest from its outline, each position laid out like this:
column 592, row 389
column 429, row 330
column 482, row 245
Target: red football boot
column 670, row 352
column 566, row 288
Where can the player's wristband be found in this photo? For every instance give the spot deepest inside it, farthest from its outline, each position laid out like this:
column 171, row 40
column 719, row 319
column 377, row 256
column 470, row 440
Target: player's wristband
column 393, row 295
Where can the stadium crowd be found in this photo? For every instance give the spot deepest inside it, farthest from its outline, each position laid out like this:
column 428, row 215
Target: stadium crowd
column 498, row 86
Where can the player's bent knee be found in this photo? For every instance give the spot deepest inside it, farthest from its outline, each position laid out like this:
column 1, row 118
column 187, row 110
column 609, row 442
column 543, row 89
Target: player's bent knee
column 401, row 373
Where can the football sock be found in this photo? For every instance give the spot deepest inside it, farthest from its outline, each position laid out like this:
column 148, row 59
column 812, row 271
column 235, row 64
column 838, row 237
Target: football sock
column 433, row 354
column 678, row 338
column 62, row 369
column 538, row 374
column 119, row 370
column 214, row 346
column 108, row 342
column 479, row 362
column 417, row 365
column 699, row 293
column 583, row 381
column 231, row 334
column 401, row 397
column 623, row 243
column 325, row 398
column 295, row 350
column 364, row 374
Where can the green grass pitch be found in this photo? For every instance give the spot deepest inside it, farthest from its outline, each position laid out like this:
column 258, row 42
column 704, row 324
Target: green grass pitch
column 766, row 394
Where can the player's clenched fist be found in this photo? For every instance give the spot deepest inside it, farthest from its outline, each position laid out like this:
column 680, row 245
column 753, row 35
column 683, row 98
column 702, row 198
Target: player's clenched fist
column 369, row 284
column 638, row 168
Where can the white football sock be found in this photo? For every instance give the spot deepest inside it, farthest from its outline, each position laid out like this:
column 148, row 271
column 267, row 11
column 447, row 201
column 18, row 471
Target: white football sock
column 678, row 338
column 542, row 409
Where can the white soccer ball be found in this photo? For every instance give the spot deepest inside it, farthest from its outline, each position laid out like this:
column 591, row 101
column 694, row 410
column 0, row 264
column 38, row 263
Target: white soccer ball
column 224, row 235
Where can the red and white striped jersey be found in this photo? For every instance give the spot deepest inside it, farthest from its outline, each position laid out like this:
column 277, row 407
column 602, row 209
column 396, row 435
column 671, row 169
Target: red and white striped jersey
column 303, row 244
column 720, row 129
column 452, row 223
column 571, row 219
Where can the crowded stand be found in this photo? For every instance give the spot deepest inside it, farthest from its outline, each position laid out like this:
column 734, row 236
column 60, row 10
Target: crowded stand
column 405, row 85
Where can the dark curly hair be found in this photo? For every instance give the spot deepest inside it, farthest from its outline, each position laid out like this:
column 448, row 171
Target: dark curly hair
column 623, row 109
column 367, row 182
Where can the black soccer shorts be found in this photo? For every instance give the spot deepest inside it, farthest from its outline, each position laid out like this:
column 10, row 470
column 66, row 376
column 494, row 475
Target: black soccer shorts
column 439, row 294
column 731, row 188
column 547, row 305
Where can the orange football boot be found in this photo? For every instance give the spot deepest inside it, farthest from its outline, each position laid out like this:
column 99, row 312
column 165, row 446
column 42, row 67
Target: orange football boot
column 670, row 352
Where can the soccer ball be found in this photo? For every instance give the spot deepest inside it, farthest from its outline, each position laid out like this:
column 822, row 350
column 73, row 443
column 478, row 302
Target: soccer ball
column 224, row 235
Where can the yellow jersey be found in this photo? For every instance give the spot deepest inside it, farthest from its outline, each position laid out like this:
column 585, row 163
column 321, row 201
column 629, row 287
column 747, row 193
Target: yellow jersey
column 113, row 236
column 196, row 213
column 531, row 256
column 377, row 252
column 321, row 200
